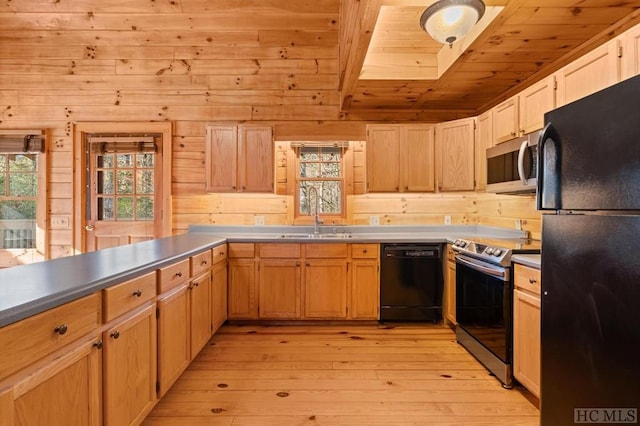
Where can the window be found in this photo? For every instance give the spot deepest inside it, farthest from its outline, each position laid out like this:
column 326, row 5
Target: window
column 18, row 199
column 320, row 167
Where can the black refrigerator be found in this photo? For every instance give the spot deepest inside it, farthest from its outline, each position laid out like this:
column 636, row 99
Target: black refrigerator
column 589, row 191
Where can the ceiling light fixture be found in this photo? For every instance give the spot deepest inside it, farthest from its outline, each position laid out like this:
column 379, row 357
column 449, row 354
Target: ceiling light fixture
column 447, row 21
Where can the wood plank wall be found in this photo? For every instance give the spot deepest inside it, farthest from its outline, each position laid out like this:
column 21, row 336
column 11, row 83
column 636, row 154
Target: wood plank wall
column 192, row 62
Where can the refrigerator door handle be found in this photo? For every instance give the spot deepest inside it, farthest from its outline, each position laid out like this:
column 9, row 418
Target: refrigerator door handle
column 548, row 194
column 523, row 149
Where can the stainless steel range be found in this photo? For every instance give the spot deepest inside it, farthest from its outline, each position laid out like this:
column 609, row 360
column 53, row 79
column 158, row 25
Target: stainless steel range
column 484, row 300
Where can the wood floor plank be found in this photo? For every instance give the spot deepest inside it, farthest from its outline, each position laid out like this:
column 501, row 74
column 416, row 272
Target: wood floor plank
column 339, row 375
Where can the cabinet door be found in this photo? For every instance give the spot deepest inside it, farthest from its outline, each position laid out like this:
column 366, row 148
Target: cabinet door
column 280, row 288
column 594, row 71
column 417, row 154
column 526, row 340
column 506, row 120
column 129, row 367
column 243, row 302
column 365, row 290
column 325, row 289
column 631, row 56
column 484, row 140
column 221, row 162
column 200, row 310
column 455, row 160
column 173, row 337
column 383, row 159
column 450, row 292
column 534, row 101
column 63, row 393
column 255, row 159
column 218, row 295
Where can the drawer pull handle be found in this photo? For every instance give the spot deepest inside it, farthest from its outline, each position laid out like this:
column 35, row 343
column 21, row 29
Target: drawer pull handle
column 61, row 329
column 308, row 264
column 532, row 281
column 364, row 251
column 221, row 253
column 204, row 262
column 196, row 284
column 178, row 274
column 115, row 334
column 98, row 344
column 137, row 293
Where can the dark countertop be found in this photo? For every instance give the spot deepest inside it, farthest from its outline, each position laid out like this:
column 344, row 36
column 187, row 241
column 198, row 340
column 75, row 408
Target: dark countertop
column 30, row 289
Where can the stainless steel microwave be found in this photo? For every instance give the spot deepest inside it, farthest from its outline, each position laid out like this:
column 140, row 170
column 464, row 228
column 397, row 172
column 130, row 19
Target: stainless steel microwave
column 512, row 166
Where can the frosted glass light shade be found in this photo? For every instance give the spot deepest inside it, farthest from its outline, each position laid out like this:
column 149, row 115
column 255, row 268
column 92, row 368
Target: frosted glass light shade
column 449, row 20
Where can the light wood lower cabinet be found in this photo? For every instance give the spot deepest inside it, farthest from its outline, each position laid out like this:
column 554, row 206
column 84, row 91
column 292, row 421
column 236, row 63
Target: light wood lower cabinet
column 242, row 301
column 365, row 290
column 526, row 328
column 450, row 287
column 280, row 288
column 219, row 295
column 325, row 288
column 200, row 312
column 174, row 348
column 63, row 392
column 129, row 368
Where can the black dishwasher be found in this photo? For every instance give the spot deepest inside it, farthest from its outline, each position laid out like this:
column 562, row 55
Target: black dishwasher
column 411, row 282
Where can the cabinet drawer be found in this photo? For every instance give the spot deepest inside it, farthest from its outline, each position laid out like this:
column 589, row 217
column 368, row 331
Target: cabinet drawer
column 365, row 251
column 242, row 250
column 219, row 254
column 319, row 250
column 527, row 278
column 28, row 340
column 200, row 262
column 173, row 275
column 280, row 250
column 122, row 298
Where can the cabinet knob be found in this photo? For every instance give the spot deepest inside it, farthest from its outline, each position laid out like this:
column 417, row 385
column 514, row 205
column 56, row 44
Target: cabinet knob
column 233, row 187
column 297, row 263
column 98, row 344
column 513, row 133
column 364, row 251
column 204, row 262
column 61, row 329
column 397, row 188
column 532, row 281
column 406, row 187
column 244, row 187
column 178, row 274
column 196, row 283
column 137, row 293
column 115, row 334
column 307, row 264
column 522, row 131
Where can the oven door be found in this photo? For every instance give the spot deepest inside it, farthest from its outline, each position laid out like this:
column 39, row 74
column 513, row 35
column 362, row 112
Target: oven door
column 484, row 304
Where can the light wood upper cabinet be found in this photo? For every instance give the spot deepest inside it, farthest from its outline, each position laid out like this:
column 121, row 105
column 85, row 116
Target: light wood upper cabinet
column 129, row 368
column 400, row 158
column 455, row 155
column 594, row 71
column 383, row 158
column 484, row 140
column 524, row 113
column 630, row 42
column 534, row 102
column 239, row 159
column 65, row 392
column 506, row 120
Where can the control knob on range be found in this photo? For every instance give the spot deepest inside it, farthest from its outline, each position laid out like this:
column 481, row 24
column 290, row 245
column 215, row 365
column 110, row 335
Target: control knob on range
column 462, row 243
column 497, row 252
column 489, row 250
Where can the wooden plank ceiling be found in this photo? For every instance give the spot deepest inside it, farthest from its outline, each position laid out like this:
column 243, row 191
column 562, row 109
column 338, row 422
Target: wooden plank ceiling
column 527, row 40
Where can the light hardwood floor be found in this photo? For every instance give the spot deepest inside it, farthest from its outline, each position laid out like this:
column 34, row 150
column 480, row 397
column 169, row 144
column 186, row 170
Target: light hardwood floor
column 339, row 375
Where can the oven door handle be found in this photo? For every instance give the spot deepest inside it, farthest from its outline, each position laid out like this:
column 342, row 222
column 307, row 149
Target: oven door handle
column 497, row 272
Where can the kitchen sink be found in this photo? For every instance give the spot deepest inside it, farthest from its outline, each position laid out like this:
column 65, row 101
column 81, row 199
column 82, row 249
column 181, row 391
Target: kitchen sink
column 317, row 236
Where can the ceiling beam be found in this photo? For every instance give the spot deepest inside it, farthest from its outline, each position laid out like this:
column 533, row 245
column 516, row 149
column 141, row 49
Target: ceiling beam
column 358, row 18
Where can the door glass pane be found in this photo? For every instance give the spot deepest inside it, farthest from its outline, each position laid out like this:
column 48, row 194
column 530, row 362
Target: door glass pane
column 125, row 208
column 125, row 160
column 125, row 182
column 105, row 161
column 3, row 177
column 144, row 208
column 144, row 181
column 105, row 208
column 144, row 160
column 105, row 182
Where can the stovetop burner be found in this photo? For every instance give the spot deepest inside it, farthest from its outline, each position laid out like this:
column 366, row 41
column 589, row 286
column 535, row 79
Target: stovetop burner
column 496, row 251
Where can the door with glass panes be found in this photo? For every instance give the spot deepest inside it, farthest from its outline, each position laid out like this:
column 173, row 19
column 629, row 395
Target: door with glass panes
column 122, row 189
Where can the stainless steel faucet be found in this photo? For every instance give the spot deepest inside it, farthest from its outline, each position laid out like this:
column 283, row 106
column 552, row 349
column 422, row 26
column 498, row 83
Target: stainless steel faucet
column 316, row 219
